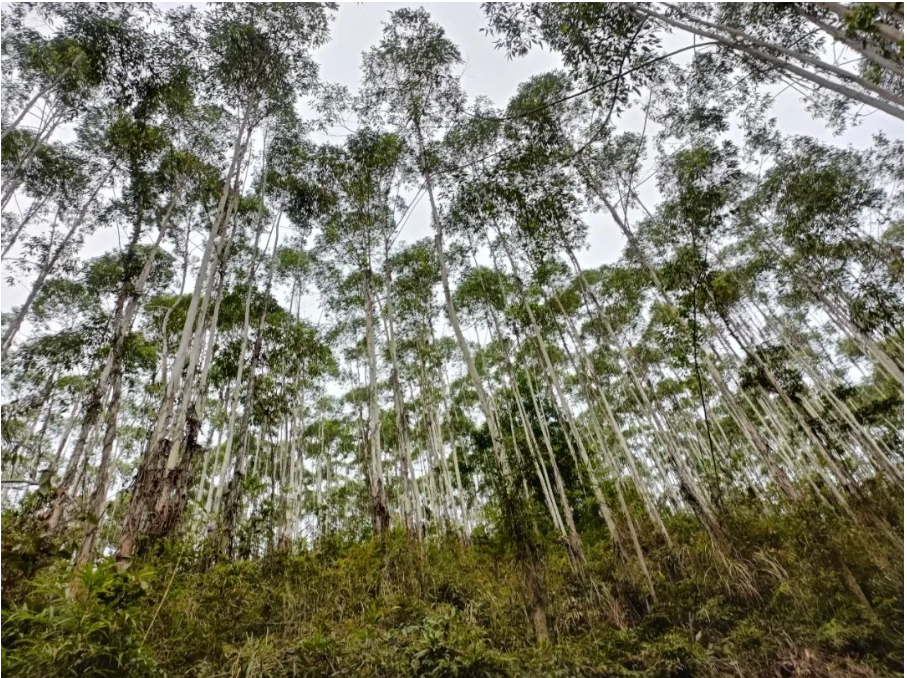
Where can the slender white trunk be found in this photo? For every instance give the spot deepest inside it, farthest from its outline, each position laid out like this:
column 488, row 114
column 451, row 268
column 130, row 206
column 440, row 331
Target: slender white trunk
column 33, row 210
column 809, row 76
column 48, row 267
column 380, row 515
column 179, row 360
column 43, row 92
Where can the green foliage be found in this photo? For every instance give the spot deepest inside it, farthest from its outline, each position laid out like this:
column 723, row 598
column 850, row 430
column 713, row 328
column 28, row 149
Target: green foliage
column 678, row 464
column 91, row 625
column 391, row 607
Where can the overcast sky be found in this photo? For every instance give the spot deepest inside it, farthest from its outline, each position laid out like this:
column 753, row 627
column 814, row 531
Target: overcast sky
column 487, row 72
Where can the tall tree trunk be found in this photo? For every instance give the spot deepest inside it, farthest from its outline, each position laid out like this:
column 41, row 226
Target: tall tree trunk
column 804, row 58
column 33, row 210
column 410, row 489
column 147, row 484
column 48, row 267
column 232, row 497
column 98, row 502
column 377, row 496
column 837, row 88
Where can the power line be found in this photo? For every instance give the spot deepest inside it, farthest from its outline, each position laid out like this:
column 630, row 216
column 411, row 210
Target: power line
column 594, row 87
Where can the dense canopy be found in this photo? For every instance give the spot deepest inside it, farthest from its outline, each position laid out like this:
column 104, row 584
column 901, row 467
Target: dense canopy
column 262, row 430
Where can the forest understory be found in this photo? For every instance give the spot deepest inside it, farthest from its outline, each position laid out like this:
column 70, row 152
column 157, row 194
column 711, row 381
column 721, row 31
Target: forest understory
column 600, row 376
column 803, row 594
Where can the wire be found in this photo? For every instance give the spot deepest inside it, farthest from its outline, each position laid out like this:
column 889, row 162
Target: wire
column 594, row 87
column 562, row 100
column 409, row 212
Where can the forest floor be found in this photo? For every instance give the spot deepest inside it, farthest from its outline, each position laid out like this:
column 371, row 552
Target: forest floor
column 804, row 594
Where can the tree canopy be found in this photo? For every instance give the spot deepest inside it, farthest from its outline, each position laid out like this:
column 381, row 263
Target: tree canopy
column 491, row 457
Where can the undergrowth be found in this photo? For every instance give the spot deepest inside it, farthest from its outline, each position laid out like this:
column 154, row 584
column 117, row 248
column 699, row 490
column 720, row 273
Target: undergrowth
column 805, row 594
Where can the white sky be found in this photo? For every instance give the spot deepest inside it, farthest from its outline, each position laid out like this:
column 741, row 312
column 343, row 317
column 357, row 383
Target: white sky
column 487, row 72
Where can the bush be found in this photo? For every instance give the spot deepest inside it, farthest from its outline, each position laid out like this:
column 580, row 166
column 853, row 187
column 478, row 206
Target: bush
column 91, row 625
column 393, row 608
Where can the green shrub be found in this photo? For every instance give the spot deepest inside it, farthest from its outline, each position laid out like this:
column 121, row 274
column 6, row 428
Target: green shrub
column 92, row 625
column 393, row 608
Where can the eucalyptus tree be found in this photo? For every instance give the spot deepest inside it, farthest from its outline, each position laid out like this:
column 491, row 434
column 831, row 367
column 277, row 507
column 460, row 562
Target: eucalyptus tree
column 411, row 83
column 425, row 358
column 48, row 169
column 138, row 145
column 534, row 210
column 353, row 232
column 345, row 302
column 411, row 500
column 47, row 252
column 257, row 58
column 57, row 74
column 749, row 45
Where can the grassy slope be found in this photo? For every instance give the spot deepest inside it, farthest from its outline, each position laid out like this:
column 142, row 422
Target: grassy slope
column 783, row 608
